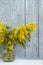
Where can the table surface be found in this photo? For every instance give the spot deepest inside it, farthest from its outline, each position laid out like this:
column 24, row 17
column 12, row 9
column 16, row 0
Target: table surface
column 22, row 62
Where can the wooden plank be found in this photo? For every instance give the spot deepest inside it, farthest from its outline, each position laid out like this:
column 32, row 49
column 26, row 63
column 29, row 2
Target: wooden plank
column 12, row 13
column 41, row 28
column 32, row 15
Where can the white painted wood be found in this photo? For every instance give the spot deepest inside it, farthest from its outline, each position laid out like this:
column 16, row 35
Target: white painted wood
column 41, row 28
column 32, row 16
column 12, row 13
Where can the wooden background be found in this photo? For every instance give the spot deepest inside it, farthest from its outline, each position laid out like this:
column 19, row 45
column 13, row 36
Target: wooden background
column 17, row 12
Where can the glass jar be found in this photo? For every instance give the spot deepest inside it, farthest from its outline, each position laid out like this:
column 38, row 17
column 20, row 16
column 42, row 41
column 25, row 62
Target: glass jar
column 8, row 56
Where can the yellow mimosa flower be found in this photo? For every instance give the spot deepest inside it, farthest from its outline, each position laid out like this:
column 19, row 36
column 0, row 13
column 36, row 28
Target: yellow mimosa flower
column 14, row 34
column 22, row 29
column 0, row 23
column 11, row 36
column 1, row 30
column 9, row 42
column 21, row 37
column 4, row 28
column 1, row 39
column 1, row 34
column 31, row 26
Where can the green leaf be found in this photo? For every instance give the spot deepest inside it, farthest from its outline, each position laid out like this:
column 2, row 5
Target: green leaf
column 28, row 37
column 17, row 33
column 22, row 44
column 4, row 45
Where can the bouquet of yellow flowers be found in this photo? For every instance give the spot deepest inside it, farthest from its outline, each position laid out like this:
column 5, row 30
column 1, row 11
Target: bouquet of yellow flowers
column 11, row 36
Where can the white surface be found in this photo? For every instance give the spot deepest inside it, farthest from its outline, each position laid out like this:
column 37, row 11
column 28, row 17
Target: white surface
column 23, row 62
